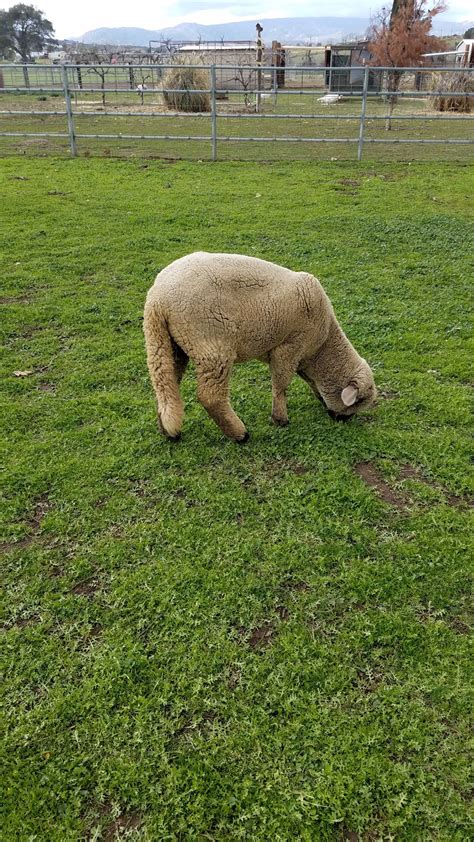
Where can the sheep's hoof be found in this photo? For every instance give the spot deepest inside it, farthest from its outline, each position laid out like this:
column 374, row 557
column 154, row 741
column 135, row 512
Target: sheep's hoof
column 166, row 434
column 244, row 438
column 279, row 422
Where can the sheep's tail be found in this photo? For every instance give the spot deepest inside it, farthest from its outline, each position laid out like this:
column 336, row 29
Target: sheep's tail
column 161, row 365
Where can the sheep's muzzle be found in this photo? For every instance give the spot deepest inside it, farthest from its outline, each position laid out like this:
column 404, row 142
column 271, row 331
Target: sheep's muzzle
column 336, row 417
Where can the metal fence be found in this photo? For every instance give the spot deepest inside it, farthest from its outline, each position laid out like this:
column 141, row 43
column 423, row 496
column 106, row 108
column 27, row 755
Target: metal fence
column 254, row 101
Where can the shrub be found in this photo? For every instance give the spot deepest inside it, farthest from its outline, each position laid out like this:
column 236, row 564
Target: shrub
column 179, row 83
column 449, row 84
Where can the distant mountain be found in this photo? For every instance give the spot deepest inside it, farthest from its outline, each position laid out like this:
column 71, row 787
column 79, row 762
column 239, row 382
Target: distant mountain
column 286, row 30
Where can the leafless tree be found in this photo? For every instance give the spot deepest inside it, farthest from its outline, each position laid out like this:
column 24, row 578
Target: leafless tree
column 97, row 59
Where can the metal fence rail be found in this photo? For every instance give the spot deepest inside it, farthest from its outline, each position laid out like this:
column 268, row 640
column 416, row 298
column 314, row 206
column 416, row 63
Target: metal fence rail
column 70, row 81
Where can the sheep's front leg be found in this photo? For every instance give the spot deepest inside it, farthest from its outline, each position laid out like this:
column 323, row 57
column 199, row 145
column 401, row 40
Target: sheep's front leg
column 213, row 377
column 283, row 364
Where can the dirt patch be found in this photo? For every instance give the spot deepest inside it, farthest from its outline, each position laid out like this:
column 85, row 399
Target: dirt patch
column 296, row 585
column 21, row 623
column 25, row 621
column 349, row 836
column 459, row 502
column 298, row 469
column 46, row 387
column 431, row 615
column 259, row 637
column 283, row 612
column 411, row 472
column 262, row 636
column 199, row 724
column 367, row 472
column 12, row 299
column 458, row 625
column 114, row 828
column 42, row 506
column 86, row 587
column 29, row 330
column 41, row 509
column 349, row 182
column 9, row 546
column 122, row 825
column 279, row 466
column 94, row 632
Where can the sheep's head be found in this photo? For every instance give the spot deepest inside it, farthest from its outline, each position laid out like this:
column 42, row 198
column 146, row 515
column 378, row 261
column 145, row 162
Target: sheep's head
column 359, row 393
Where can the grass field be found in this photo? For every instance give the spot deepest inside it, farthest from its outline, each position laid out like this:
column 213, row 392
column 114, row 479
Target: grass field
column 316, row 120
column 211, row 642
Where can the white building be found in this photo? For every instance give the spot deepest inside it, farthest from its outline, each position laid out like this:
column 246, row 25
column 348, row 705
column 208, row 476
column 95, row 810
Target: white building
column 462, row 56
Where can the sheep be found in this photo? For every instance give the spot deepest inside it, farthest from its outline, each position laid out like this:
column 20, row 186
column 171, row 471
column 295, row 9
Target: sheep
column 221, row 309
column 330, row 99
column 141, row 88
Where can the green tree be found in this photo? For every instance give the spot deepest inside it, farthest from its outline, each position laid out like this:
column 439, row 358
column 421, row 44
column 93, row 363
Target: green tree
column 469, row 33
column 24, row 30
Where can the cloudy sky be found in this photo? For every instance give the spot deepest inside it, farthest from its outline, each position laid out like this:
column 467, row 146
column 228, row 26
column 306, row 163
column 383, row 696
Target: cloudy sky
column 73, row 19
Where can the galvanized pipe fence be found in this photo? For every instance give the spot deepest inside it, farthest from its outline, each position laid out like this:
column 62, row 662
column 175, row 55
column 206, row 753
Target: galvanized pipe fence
column 68, row 79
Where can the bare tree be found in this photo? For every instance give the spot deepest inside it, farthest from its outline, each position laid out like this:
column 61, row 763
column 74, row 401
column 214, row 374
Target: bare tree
column 244, row 79
column 97, row 59
column 244, row 76
column 399, row 37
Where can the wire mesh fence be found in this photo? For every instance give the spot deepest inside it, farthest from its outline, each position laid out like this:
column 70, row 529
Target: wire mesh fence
column 237, row 111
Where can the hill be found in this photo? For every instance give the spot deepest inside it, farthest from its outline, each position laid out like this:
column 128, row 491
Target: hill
column 287, row 30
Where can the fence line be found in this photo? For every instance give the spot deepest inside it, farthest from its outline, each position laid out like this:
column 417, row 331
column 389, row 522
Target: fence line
column 71, row 83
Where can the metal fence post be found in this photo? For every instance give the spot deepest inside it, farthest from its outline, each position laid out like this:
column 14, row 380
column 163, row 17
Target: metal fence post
column 213, row 113
column 26, row 76
column 365, row 88
column 70, row 118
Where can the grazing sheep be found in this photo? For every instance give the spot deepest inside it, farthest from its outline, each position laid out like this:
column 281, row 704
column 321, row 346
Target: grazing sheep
column 221, row 309
column 330, row 99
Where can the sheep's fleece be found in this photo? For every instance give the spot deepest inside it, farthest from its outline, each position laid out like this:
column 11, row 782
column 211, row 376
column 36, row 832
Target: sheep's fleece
column 221, row 309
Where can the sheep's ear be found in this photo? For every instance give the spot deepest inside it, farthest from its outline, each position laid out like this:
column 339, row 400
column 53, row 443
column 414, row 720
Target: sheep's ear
column 349, row 394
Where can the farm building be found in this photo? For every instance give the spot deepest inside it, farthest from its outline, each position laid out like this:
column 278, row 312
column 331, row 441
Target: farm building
column 339, row 57
column 231, row 58
column 462, row 56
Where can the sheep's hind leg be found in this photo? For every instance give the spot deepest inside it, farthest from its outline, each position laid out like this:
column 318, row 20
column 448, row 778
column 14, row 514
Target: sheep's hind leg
column 213, row 377
column 180, row 362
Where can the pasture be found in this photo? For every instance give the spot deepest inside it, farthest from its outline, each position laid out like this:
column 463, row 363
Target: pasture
column 211, row 642
column 337, row 126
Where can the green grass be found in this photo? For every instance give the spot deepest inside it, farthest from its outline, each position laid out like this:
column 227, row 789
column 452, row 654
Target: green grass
column 429, row 126
column 210, row 642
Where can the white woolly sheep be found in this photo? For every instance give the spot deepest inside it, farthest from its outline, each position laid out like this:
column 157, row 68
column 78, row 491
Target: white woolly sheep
column 221, row 309
column 330, row 99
